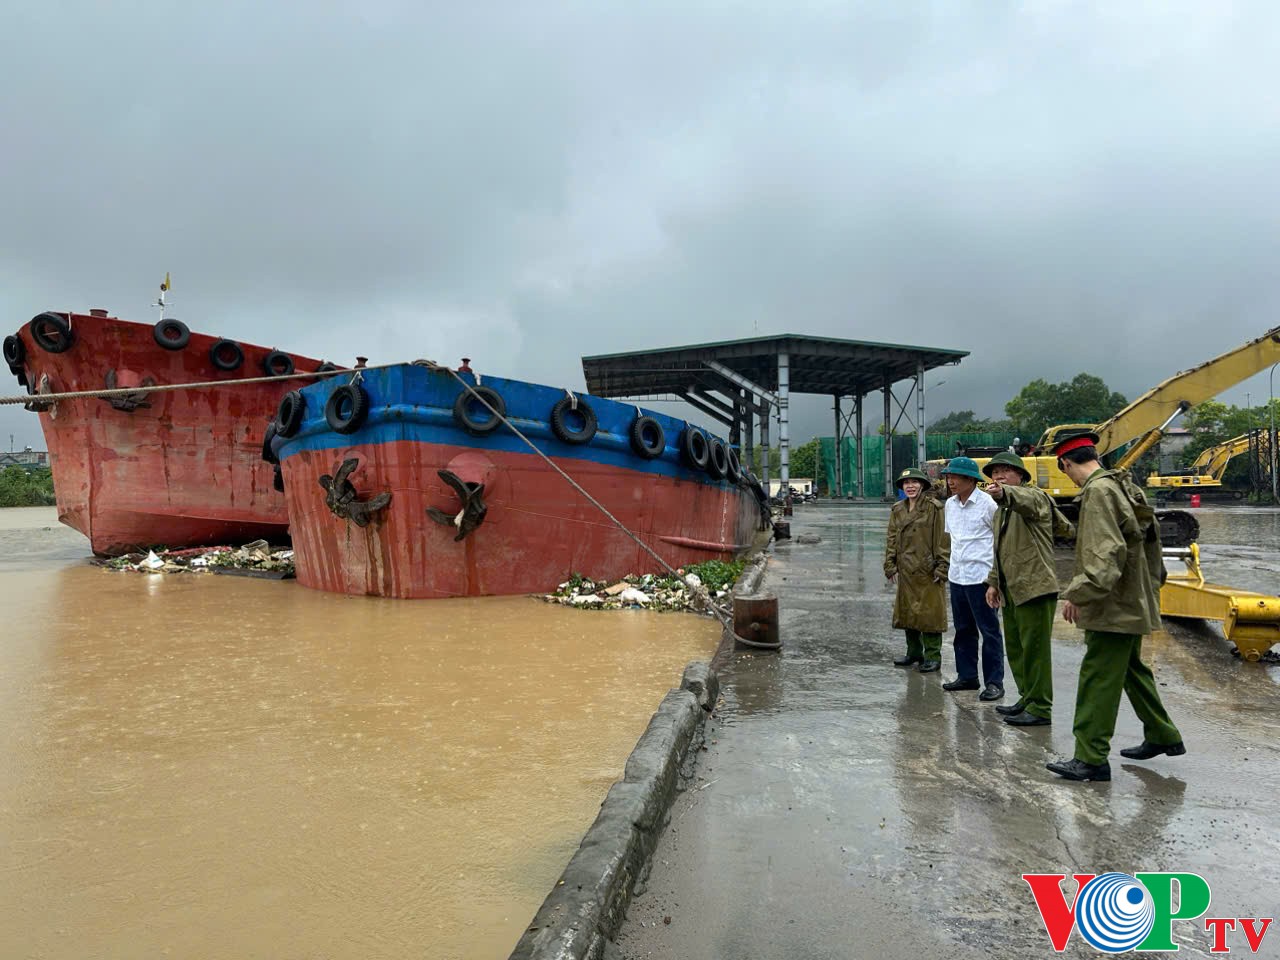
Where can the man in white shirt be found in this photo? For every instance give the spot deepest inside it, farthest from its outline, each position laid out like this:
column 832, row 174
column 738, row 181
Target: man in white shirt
column 970, row 520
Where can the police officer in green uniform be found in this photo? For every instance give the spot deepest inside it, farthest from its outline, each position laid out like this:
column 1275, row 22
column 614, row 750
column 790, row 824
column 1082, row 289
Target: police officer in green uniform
column 917, row 552
column 1115, row 597
column 1024, row 584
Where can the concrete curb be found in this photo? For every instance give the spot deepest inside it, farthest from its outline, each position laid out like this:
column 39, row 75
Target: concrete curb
column 587, row 905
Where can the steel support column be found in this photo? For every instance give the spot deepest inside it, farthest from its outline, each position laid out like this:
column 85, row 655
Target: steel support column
column 861, row 489
column 784, row 393
column 764, row 442
column 920, row 434
column 888, row 440
column 839, row 486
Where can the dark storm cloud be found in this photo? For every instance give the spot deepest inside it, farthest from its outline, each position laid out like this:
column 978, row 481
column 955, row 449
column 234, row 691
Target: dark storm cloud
column 1054, row 187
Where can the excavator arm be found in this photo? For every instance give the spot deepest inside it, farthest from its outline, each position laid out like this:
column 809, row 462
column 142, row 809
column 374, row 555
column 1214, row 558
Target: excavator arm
column 1149, row 415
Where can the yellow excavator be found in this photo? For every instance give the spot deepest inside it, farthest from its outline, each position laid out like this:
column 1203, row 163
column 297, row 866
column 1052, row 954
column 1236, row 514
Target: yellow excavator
column 1142, row 423
column 1206, row 472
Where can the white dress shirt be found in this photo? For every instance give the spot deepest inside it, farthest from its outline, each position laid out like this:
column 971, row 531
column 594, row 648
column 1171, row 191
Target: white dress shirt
column 972, row 528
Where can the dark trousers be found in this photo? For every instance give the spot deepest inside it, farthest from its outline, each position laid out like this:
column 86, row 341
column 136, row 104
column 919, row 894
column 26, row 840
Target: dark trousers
column 971, row 614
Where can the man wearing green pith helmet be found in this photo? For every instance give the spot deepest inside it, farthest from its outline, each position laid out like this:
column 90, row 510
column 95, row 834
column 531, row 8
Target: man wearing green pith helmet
column 1023, row 584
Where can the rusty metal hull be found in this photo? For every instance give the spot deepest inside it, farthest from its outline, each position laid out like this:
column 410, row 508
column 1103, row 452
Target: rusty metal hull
column 537, row 529
column 182, row 469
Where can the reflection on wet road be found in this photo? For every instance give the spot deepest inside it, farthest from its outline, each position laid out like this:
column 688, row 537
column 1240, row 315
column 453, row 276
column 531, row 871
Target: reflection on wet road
column 847, row 808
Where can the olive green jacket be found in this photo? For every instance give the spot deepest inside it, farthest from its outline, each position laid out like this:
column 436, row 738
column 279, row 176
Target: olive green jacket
column 1114, row 584
column 1024, row 529
column 918, row 552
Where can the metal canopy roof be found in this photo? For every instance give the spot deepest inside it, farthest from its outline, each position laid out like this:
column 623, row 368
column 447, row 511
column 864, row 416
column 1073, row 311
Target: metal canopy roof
column 817, row 365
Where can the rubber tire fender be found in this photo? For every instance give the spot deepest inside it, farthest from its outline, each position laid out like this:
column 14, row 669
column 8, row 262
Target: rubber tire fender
column 326, row 367
column 222, row 363
column 277, row 359
column 268, row 454
column 163, row 328
column 347, row 408
column 277, row 479
column 642, row 427
column 694, row 448
column 560, row 426
column 734, row 472
column 717, row 458
column 289, row 414
column 59, row 341
column 479, row 428
column 15, row 351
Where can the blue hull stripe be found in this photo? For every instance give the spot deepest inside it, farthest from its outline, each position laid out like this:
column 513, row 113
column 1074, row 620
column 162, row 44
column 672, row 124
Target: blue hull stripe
column 395, row 416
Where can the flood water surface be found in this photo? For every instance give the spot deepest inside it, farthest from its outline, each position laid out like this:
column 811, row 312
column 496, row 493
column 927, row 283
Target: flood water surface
column 208, row 766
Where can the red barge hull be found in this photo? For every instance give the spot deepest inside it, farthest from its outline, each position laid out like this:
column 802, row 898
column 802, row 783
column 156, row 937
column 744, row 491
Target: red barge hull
column 174, row 468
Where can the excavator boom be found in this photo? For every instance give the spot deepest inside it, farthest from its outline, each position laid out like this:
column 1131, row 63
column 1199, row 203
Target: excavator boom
column 1159, row 405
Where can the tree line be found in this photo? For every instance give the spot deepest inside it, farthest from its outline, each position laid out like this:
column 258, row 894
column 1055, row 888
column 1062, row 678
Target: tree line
column 26, row 488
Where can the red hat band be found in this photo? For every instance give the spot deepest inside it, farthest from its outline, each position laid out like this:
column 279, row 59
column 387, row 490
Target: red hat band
column 1075, row 443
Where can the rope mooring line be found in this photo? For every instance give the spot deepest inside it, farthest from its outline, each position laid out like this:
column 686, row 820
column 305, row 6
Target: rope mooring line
column 41, row 398
column 171, row 387
column 700, row 591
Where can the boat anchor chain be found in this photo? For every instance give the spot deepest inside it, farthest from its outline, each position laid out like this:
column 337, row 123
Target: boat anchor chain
column 473, row 507
column 128, row 402
column 340, row 496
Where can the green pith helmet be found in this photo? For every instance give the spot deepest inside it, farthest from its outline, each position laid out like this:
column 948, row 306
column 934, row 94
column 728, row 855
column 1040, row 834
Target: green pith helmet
column 1007, row 459
column 913, row 473
column 962, row 467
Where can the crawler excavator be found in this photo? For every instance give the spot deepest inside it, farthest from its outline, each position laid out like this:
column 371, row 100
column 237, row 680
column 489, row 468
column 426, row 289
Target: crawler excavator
column 1141, row 424
column 1205, row 474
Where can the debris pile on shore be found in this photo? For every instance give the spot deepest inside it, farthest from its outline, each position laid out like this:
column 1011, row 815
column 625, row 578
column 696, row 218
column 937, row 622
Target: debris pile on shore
column 649, row 591
column 253, row 559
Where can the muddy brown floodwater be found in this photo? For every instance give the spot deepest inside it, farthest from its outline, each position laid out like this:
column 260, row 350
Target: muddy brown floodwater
column 208, row 766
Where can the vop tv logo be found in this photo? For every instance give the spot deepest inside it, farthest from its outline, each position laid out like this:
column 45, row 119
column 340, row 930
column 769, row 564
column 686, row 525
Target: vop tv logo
column 1116, row 912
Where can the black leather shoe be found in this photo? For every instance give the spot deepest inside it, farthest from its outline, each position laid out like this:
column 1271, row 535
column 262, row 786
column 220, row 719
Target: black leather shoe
column 1149, row 750
column 993, row 691
column 907, row 661
column 1011, row 710
column 929, row 666
column 958, row 684
column 1079, row 770
column 1025, row 719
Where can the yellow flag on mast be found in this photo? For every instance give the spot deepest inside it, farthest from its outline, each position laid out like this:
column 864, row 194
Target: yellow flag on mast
column 167, row 285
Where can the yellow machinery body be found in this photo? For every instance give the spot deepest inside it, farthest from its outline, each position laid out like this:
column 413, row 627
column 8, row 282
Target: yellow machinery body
column 1145, row 419
column 1209, row 468
column 1249, row 620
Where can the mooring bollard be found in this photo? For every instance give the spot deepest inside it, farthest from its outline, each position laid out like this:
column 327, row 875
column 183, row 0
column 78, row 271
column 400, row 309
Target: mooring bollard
column 781, row 530
column 755, row 621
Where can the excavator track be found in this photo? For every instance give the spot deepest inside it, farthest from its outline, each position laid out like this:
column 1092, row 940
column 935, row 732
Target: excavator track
column 1178, row 528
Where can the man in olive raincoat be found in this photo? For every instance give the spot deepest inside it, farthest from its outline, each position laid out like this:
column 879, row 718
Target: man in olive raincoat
column 1115, row 597
column 1024, row 584
column 916, row 556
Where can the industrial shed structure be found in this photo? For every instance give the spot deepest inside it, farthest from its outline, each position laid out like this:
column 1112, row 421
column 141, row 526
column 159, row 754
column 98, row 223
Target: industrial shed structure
column 741, row 382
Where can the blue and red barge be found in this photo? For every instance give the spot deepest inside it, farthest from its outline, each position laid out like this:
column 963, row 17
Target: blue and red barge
column 400, row 482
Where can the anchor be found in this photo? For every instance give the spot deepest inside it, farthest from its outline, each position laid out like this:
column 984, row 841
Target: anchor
column 128, row 402
column 340, row 496
column 473, row 507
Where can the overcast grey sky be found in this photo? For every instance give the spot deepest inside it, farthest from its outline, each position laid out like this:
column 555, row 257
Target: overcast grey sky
column 1053, row 186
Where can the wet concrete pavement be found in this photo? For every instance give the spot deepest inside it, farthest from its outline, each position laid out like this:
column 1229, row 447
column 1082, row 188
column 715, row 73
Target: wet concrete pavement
column 847, row 808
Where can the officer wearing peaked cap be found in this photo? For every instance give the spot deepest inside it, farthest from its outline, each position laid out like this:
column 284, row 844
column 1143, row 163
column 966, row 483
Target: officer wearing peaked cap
column 917, row 552
column 1114, row 595
column 1024, row 584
